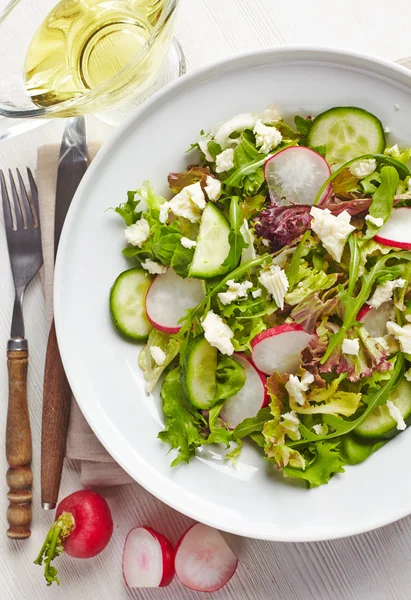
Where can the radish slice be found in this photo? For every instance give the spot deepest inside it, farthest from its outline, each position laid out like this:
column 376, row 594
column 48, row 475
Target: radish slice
column 295, row 176
column 375, row 319
column 168, row 298
column 252, row 396
column 279, row 349
column 397, row 230
column 203, row 560
column 147, row 559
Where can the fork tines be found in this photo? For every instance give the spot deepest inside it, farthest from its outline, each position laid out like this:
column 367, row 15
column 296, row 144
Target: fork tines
column 22, row 212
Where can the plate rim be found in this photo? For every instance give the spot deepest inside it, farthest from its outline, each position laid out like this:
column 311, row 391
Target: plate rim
column 300, row 53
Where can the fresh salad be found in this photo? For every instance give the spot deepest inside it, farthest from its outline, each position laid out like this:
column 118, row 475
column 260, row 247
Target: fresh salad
column 272, row 287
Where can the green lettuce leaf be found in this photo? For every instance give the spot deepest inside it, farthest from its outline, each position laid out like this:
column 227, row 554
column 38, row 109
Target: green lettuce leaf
column 308, row 281
column 166, row 248
column 127, row 210
column 151, row 370
column 327, row 461
column 230, row 377
column 329, row 400
column 252, row 425
column 249, row 166
column 383, row 198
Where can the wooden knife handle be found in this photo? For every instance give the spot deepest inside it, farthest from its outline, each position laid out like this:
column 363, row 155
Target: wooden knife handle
column 18, row 445
column 55, row 421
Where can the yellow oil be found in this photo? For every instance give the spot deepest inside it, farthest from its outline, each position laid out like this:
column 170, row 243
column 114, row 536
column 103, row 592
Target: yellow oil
column 82, row 44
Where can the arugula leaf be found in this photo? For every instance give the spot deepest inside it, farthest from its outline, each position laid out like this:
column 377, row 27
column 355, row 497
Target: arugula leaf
column 354, row 267
column 252, row 425
column 326, row 462
column 303, row 125
column 151, row 370
column 214, row 149
column 383, row 199
column 248, row 162
column 235, row 238
column 183, row 422
column 127, row 210
column 370, row 184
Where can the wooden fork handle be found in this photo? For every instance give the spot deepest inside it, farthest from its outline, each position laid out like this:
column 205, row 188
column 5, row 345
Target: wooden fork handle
column 55, row 422
column 18, row 443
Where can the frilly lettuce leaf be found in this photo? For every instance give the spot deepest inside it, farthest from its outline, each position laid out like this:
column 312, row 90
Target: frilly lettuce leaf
column 329, row 400
column 307, row 282
column 312, row 308
column 151, row 371
column 284, row 455
column 244, row 331
column 326, row 461
column 183, row 423
column 178, row 181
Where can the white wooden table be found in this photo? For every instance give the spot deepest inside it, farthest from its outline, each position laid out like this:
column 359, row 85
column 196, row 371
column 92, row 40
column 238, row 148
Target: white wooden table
column 375, row 566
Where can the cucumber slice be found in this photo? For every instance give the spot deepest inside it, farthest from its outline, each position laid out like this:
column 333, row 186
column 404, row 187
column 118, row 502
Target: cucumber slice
column 212, row 245
column 355, row 452
column 379, row 424
column 199, row 373
column 127, row 304
column 347, row 132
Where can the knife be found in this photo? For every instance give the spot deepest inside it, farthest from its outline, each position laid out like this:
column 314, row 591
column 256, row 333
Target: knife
column 73, row 163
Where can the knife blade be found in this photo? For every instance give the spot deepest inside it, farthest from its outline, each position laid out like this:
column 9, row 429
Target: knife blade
column 73, row 163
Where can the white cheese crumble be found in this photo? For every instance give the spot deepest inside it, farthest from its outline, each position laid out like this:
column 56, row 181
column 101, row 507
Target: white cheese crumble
column 225, row 161
column 217, row 333
column 213, row 188
column 377, row 221
column 351, row 346
column 265, row 242
column 387, row 130
column 137, row 233
column 363, row 168
column 297, row 388
column 235, row 290
column 153, row 268
column 384, row 292
column 249, row 252
column 266, row 138
column 396, row 415
column 164, row 210
column 397, row 107
column 393, row 151
column 186, row 243
column 257, row 293
column 276, row 283
column 158, row 355
column 402, row 334
column 189, row 203
column 408, row 318
column 332, row 231
column 320, row 429
column 407, row 374
column 291, row 421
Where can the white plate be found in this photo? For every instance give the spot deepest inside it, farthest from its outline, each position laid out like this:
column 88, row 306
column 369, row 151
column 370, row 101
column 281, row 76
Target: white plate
column 252, row 500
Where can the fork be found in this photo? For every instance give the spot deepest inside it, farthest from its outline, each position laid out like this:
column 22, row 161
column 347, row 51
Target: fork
column 24, row 245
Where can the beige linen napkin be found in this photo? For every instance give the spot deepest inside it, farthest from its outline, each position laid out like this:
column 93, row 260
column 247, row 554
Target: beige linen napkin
column 98, row 468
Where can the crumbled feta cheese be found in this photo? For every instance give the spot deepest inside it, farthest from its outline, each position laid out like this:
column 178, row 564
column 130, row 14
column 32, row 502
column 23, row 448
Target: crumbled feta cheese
column 265, row 242
column 225, row 161
column 266, row 138
column 257, row 293
column 249, row 252
column 189, row 202
column 297, row 388
column 217, row 333
column 409, row 184
column 402, row 334
column 397, row 107
column 164, row 210
column 276, row 283
column 387, row 130
column 332, row 231
column 158, row 355
column 291, row 422
column 351, row 346
column 137, row 233
column 396, row 415
column 407, row 374
column 393, row 151
column 203, row 145
column 320, row 429
column 377, row 221
column 408, row 318
column 213, row 188
column 153, row 268
column 235, row 290
column 363, row 168
column 186, row 243
column 384, row 292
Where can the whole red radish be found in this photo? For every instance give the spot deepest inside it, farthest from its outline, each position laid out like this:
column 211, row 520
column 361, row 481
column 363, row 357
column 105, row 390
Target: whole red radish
column 82, row 529
column 148, row 559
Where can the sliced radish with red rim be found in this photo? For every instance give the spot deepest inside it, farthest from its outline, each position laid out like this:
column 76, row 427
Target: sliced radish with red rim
column 148, row 559
column 375, row 319
column 168, row 298
column 203, row 560
column 396, row 232
column 295, row 176
column 279, row 348
column 250, row 399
